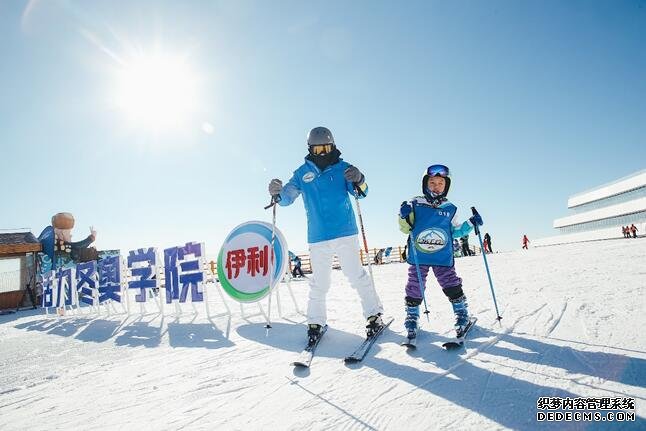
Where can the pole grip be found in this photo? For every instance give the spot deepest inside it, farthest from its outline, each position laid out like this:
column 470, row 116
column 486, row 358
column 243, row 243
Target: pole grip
column 475, row 226
column 274, row 200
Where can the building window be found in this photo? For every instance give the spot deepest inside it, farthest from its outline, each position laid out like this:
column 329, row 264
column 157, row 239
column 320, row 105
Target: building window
column 10, row 275
column 618, row 221
column 612, row 200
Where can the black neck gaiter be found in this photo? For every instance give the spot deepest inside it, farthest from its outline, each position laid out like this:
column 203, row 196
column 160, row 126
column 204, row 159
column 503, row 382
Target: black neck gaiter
column 325, row 160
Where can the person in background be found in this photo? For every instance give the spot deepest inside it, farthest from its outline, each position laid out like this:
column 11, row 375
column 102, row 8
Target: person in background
column 466, row 250
column 633, row 230
column 297, row 267
column 487, row 238
column 379, row 257
column 525, row 242
column 457, row 251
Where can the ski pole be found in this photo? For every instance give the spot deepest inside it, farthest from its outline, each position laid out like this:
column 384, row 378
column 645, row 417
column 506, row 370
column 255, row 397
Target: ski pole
column 363, row 232
column 274, row 200
column 422, row 283
column 484, row 256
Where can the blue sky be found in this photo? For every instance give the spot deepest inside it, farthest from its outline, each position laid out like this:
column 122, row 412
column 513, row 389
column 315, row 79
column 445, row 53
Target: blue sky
column 527, row 103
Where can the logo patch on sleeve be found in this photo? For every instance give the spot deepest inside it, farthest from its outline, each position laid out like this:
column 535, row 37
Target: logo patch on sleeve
column 308, row 177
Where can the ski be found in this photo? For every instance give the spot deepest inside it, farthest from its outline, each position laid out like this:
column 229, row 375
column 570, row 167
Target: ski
column 459, row 341
column 306, row 356
column 410, row 342
column 365, row 346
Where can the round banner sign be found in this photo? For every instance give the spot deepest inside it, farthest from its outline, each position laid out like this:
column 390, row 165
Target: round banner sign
column 245, row 261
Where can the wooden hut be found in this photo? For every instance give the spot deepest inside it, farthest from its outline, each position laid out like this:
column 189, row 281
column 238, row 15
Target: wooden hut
column 17, row 269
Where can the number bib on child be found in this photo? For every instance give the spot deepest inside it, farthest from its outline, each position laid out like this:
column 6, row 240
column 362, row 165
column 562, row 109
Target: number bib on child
column 431, row 235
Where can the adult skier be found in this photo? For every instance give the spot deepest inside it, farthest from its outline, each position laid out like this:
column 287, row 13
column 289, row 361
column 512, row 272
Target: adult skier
column 466, row 250
column 487, row 239
column 297, row 271
column 525, row 242
column 326, row 182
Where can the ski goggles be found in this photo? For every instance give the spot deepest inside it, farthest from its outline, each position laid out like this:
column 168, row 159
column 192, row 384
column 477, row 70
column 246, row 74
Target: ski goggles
column 317, row 150
column 438, row 170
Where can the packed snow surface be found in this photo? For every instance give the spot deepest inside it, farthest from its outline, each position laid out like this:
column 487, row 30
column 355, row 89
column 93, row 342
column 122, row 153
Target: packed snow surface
column 572, row 326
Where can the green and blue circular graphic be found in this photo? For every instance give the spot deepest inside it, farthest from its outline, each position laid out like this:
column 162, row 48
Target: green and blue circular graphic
column 431, row 240
column 245, row 265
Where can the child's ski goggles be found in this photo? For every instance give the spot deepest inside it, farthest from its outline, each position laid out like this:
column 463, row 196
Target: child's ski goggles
column 438, row 170
column 321, row 149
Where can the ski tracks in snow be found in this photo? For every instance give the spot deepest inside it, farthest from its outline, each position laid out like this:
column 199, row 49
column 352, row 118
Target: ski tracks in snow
column 563, row 334
column 556, row 321
column 460, row 360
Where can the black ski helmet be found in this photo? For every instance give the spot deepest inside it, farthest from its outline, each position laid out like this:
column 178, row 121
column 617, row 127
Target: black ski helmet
column 320, row 136
column 436, row 171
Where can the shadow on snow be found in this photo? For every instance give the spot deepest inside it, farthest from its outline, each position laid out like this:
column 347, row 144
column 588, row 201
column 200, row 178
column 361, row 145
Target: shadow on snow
column 509, row 401
column 134, row 333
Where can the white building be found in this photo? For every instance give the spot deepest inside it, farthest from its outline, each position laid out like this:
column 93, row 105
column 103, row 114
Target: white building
column 601, row 212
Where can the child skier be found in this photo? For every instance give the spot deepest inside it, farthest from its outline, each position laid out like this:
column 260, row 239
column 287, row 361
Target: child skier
column 326, row 181
column 431, row 222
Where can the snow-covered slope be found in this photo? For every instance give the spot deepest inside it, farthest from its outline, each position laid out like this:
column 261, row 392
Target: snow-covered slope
column 572, row 322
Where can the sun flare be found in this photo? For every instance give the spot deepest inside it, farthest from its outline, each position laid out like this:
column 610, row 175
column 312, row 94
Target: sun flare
column 158, row 92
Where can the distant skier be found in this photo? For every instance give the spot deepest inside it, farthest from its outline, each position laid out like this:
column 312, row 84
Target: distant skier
column 466, row 250
column 379, row 257
column 525, row 242
column 326, row 182
column 633, row 230
column 297, row 267
column 431, row 222
column 487, row 239
column 457, row 251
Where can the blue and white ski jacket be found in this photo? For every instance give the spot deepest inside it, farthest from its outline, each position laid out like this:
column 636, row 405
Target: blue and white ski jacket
column 326, row 199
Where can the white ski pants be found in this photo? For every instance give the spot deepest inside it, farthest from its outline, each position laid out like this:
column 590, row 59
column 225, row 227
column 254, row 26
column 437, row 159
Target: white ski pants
column 347, row 251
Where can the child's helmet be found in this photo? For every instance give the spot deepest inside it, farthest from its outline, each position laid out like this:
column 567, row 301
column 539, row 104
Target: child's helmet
column 436, row 171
